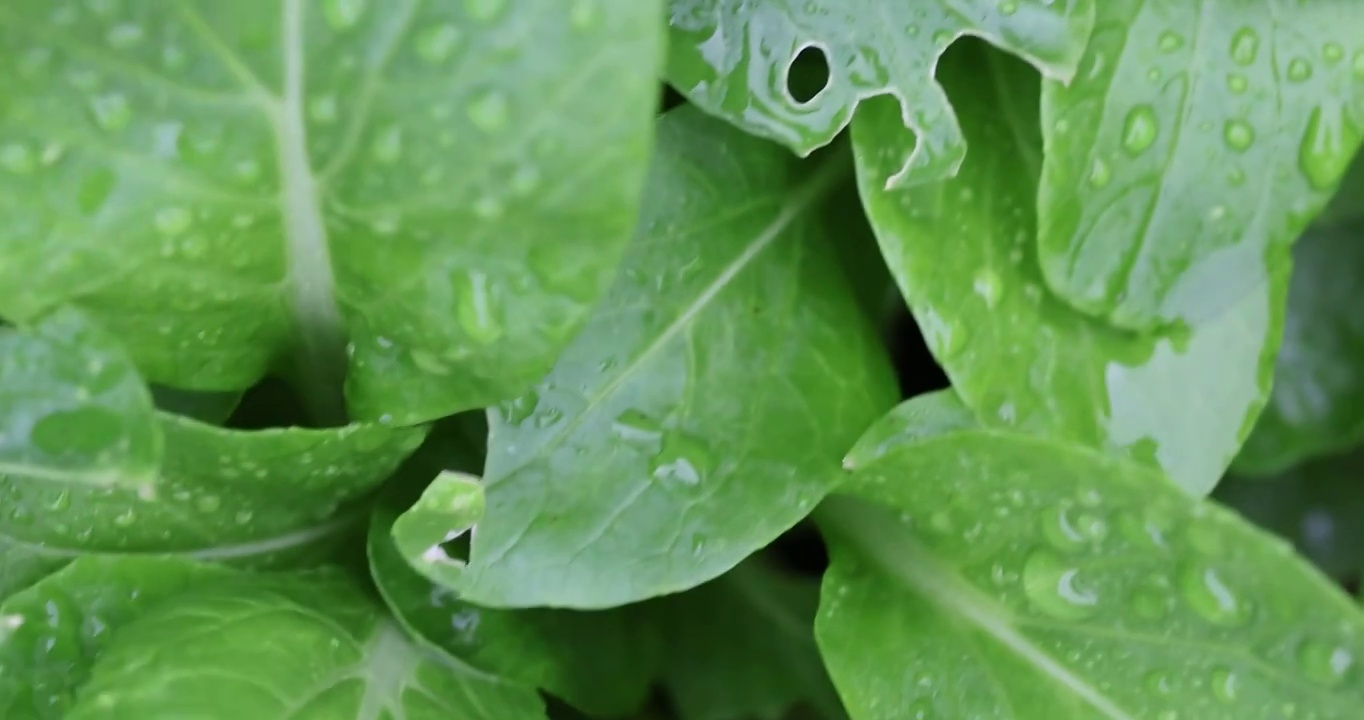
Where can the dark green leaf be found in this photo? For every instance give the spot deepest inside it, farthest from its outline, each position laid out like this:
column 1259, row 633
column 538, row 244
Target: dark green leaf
column 1317, row 405
column 213, row 408
column 1001, row 575
column 73, row 411
column 1196, row 141
column 733, row 58
column 704, row 409
column 596, row 660
column 742, row 647
column 410, row 196
column 963, row 253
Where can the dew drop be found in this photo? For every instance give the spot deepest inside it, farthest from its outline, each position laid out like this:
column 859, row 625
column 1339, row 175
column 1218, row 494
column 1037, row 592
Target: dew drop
column 1327, row 146
column 112, row 112
column 437, row 44
column 1324, row 663
column 1139, row 129
column 635, row 427
column 172, row 221
column 1008, row 7
column 18, row 159
column 484, row 9
column 388, row 145
column 1053, row 587
column 683, row 459
column 61, row 502
column 1100, row 174
column 1208, row 594
column 490, row 111
column 477, row 309
column 1170, row 41
column 988, row 286
column 1299, row 69
column 1245, row 46
column 1225, row 685
column 125, row 519
column 343, row 14
column 1158, row 683
column 1332, row 53
column 1237, row 83
column 1239, row 135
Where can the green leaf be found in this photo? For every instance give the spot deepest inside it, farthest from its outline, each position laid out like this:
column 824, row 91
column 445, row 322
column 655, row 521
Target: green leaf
column 307, row 646
column 1194, row 144
column 51, row 633
column 245, row 497
column 445, row 512
column 963, row 254
column 1003, row 575
column 742, row 647
column 73, row 411
column 412, row 197
column 1316, row 505
column 598, row 661
column 656, row 455
column 1317, row 406
column 733, row 58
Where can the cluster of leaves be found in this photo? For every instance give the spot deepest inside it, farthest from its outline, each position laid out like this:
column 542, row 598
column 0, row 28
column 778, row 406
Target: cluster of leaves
column 406, row 360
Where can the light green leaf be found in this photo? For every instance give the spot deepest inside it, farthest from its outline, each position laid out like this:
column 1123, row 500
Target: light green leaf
column 410, row 196
column 245, row 497
column 742, row 647
column 1316, row 505
column 300, row 647
column 598, row 661
column 446, row 510
column 963, row 254
column 73, row 411
column 1001, row 575
column 51, row 633
column 1317, row 406
column 1194, row 144
column 733, row 57
column 636, row 468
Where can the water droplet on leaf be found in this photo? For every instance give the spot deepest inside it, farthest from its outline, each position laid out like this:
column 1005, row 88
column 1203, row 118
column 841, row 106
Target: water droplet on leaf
column 1054, row 587
column 1139, row 129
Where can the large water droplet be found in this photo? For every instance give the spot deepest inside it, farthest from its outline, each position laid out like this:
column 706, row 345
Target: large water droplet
column 1068, row 530
column 683, row 459
column 1325, row 663
column 1209, row 595
column 437, row 44
column 484, row 9
column 638, row 428
column 1226, row 684
column 18, row 158
column 1299, row 69
column 172, row 221
column 1245, row 46
column 1327, row 146
column 1139, row 130
column 1054, row 588
column 1239, row 135
column 478, row 313
column 111, row 111
column 490, row 111
column 343, row 14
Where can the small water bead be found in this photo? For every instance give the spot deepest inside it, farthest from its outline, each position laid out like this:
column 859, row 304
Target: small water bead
column 477, row 309
column 1159, row 683
column 1139, row 129
column 1226, row 685
column 1054, row 587
column 173, row 221
column 1239, row 135
column 1332, row 53
column 490, row 111
column 1245, row 46
column 18, row 159
column 1299, row 69
column 1237, row 83
column 1324, row 663
column 1170, row 41
column 988, row 286
column 1203, row 588
column 1100, row 174
column 343, row 14
column 208, row 503
column 437, row 44
column 1008, row 7
column 125, row 519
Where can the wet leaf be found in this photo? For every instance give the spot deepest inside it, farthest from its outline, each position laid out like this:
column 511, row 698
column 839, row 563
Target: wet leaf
column 1194, row 144
column 635, row 468
column 732, row 57
column 963, row 254
column 985, row 573
column 229, row 184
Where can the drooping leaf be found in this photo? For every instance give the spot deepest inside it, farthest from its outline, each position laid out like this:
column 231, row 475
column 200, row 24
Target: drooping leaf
column 742, row 647
column 963, row 253
column 245, row 497
column 1194, row 144
column 598, row 661
column 995, row 574
column 636, row 468
column 733, row 58
column 408, row 196
column 51, row 633
column 1316, row 505
column 73, row 411
column 1317, row 405
column 302, row 646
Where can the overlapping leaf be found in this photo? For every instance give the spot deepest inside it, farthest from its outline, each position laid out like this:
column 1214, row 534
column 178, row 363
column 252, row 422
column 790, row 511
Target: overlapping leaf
column 733, row 58
column 995, row 574
column 704, row 408
column 964, row 255
column 408, row 196
column 1194, row 144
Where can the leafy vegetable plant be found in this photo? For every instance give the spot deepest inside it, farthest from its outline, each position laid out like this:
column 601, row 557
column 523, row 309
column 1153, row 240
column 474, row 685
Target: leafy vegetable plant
column 681, row 359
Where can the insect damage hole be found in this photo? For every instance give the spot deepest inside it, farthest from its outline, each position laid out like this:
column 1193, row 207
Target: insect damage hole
column 807, row 75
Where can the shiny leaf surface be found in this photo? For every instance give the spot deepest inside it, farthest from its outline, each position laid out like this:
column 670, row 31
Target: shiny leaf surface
column 963, row 254
column 733, row 58
column 636, row 468
column 985, row 573
column 406, row 196
column 1194, row 144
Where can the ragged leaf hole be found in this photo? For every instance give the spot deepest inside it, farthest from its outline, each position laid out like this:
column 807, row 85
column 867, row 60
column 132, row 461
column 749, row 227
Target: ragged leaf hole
column 808, row 74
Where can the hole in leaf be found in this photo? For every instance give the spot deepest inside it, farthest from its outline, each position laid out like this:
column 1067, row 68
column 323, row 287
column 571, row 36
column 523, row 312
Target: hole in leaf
column 915, row 366
column 808, row 74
